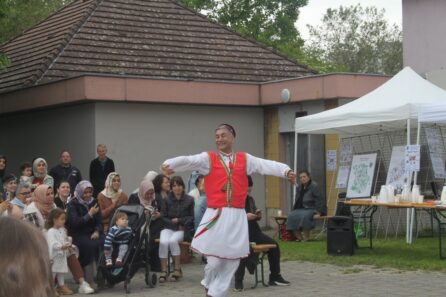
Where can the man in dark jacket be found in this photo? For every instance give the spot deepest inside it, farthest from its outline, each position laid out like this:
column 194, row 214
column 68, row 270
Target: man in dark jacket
column 66, row 171
column 256, row 235
column 100, row 167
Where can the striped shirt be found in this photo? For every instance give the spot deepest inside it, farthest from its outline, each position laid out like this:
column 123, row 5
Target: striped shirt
column 117, row 235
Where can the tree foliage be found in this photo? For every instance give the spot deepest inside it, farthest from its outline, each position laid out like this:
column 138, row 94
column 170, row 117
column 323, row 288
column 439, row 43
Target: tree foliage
column 19, row 15
column 271, row 22
column 355, row 39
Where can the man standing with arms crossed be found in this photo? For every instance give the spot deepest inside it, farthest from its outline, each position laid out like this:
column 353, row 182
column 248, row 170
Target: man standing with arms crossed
column 222, row 234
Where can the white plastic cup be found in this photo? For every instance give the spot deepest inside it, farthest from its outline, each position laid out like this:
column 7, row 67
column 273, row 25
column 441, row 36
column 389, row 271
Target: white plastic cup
column 443, row 195
column 279, row 213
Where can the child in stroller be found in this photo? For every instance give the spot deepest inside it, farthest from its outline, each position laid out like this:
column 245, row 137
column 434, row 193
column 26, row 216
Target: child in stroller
column 136, row 255
column 119, row 234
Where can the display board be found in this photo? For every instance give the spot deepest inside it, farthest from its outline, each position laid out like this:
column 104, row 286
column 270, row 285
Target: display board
column 361, row 176
column 397, row 175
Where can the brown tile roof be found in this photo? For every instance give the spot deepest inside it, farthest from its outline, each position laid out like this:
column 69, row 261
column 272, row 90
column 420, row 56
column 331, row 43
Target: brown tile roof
column 148, row 38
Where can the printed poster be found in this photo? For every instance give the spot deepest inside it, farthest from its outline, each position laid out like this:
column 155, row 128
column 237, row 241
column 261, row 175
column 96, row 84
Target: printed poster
column 397, row 175
column 360, row 180
column 412, row 157
column 346, row 151
column 342, row 178
column 331, row 160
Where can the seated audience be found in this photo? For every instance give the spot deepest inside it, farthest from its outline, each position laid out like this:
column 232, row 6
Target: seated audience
column 178, row 217
column 40, row 175
column 111, row 198
column 63, row 196
column 9, row 186
column 146, row 197
column 309, row 204
column 84, row 223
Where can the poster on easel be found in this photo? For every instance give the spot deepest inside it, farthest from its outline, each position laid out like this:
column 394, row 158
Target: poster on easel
column 361, row 176
column 397, row 175
column 342, row 178
column 436, row 151
column 434, row 140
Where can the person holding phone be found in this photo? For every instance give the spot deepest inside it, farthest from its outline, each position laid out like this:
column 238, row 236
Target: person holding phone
column 84, row 224
column 256, row 235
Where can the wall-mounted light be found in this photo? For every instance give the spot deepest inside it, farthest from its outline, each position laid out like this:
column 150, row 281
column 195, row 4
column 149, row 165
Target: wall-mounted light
column 285, row 95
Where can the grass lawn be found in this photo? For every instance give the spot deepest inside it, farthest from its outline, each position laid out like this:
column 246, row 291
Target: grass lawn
column 394, row 253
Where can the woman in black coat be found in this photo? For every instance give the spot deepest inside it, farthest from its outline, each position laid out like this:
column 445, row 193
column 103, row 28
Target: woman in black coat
column 309, row 204
column 84, row 223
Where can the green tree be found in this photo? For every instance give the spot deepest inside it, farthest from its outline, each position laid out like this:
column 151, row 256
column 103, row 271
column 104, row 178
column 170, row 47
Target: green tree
column 18, row 15
column 355, row 39
column 270, row 22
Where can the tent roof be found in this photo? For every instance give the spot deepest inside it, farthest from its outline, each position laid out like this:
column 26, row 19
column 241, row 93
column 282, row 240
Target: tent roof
column 384, row 109
column 433, row 113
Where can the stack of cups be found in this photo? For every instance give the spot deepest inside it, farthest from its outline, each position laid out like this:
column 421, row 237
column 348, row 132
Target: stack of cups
column 443, row 195
column 383, row 194
column 415, row 193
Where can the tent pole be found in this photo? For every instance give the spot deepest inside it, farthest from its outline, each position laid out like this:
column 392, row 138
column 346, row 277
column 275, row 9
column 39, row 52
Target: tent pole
column 409, row 180
column 412, row 217
column 296, row 136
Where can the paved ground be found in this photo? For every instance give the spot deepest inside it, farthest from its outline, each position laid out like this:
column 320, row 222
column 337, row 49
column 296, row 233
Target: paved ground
column 308, row 279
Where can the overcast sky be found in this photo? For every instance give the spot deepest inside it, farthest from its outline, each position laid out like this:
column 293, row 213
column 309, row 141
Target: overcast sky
column 313, row 12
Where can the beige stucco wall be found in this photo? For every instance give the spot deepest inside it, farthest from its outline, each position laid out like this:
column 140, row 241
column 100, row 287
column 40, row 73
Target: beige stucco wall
column 140, row 136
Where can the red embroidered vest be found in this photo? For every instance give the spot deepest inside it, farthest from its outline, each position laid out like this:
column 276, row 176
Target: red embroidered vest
column 226, row 186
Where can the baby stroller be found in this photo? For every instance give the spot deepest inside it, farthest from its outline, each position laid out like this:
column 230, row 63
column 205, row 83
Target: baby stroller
column 137, row 255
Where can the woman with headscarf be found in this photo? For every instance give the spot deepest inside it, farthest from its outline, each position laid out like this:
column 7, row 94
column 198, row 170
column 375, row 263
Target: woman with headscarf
column 84, row 223
column 40, row 174
column 43, row 202
column 111, row 198
column 146, row 197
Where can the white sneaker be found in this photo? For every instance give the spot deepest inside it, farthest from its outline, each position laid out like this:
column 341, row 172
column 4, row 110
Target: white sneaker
column 85, row 288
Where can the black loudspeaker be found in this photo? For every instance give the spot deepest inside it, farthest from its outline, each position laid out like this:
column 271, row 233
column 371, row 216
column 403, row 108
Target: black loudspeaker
column 340, row 236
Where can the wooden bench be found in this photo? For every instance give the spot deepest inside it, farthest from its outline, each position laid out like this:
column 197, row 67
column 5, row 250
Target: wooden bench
column 281, row 221
column 185, row 254
column 262, row 250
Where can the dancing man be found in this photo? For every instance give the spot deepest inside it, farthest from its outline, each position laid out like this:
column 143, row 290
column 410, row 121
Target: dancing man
column 222, row 234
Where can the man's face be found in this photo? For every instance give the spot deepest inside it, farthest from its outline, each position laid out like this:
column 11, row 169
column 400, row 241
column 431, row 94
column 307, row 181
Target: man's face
column 224, row 140
column 304, row 178
column 65, row 158
column 102, row 152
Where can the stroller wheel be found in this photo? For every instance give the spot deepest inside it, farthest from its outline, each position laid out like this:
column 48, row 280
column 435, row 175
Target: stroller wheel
column 100, row 279
column 151, row 279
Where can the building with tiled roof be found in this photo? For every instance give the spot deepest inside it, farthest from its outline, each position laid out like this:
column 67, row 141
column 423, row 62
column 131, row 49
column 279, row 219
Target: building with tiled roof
column 152, row 79
column 152, row 39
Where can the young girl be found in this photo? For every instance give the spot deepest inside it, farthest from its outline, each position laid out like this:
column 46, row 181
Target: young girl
column 58, row 245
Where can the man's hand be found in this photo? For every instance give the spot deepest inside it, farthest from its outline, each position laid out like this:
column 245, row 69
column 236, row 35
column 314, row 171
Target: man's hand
column 167, row 171
column 251, row 216
column 291, row 176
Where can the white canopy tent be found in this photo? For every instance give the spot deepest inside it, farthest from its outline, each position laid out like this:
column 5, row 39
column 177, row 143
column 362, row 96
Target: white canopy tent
column 387, row 108
column 432, row 113
column 392, row 106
